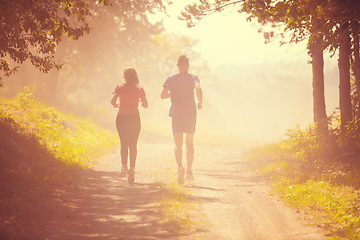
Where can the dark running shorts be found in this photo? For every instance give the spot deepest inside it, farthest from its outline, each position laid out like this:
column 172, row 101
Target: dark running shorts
column 183, row 124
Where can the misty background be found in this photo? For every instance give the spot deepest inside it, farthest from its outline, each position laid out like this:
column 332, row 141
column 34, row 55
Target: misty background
column 249, row 98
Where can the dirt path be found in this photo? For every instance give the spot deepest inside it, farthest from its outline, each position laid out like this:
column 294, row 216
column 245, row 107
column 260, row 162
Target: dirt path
column 235, row 202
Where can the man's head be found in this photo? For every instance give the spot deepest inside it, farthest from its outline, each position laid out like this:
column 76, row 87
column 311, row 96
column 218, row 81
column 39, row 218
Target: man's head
column 183, row 63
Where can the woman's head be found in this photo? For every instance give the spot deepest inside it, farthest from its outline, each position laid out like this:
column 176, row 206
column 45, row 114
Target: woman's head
column 130, row 76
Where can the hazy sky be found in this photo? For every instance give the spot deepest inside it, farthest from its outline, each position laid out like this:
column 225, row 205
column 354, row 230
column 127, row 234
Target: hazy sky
column 226, row 38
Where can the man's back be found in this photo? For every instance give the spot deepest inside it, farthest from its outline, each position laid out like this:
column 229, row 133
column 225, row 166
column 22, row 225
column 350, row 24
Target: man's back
column 181, row 86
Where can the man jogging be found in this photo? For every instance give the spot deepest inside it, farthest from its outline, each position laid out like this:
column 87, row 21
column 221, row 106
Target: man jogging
column 180, row 89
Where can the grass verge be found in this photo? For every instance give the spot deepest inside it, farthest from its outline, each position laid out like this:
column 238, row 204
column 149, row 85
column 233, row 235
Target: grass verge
column 322, row 183
column 69, row 139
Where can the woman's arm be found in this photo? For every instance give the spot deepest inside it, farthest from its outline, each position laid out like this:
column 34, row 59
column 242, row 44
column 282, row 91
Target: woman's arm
column 114, row 98
column 144, row 101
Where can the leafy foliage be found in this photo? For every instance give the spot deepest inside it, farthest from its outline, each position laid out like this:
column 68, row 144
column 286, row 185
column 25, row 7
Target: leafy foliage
column 351, row 140
column 71, row 140
column 31, row 29
column 320, row 177
column 335, row 208
column 305, row 19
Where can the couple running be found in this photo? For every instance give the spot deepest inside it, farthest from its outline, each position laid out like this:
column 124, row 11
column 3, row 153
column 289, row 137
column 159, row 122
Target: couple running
column 180, row 89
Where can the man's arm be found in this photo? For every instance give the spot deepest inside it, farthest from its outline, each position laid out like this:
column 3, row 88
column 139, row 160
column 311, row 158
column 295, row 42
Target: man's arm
column 165, row 93
column 199, row 95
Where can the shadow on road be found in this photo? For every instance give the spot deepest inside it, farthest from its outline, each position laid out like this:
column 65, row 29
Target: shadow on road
column 102, row 206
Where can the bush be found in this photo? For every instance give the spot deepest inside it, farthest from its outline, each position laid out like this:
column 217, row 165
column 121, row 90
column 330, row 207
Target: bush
column 69, row 139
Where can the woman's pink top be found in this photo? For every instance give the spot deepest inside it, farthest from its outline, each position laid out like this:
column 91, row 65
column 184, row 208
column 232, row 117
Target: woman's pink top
column 129, row 96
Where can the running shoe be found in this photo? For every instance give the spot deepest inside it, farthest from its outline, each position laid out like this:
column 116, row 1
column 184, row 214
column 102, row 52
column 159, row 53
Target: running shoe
column 181, row 174
column 131, row 177
column 189, row 175
column 124, row 171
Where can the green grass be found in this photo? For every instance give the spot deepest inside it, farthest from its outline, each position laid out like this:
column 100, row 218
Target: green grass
column 313, row 178
column 335, row 208
column 71, row 140
column 173, row 201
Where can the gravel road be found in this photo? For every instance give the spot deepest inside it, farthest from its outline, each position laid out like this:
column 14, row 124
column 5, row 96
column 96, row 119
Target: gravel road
column 233, row 202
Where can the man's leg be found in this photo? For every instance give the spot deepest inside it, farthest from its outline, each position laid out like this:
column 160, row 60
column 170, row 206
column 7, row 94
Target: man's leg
column 178, row 138
column 189, row 155
column 189, row 150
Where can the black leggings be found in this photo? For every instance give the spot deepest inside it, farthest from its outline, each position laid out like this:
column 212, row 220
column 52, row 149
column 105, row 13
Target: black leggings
column 128, row 127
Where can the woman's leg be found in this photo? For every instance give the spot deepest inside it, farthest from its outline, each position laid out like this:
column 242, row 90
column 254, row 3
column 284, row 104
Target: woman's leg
column 134, row 131
column 124, row 145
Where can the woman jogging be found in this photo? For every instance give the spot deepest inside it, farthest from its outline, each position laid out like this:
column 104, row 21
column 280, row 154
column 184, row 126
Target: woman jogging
column 128, row 122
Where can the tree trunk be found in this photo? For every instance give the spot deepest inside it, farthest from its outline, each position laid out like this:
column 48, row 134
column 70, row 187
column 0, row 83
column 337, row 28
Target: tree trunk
column 344, row 72
column 320, row 117
column 356, row 59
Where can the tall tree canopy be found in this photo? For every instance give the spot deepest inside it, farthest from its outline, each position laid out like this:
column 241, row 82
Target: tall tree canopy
column 117, row 35
column 31, row 29
column 325, row 24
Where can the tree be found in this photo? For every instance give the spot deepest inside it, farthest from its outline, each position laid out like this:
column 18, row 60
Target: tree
column 116, row 33
column 301, row 19
column 355, row 59
column 323, row 23
column 317, row 63
column 31, row 29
